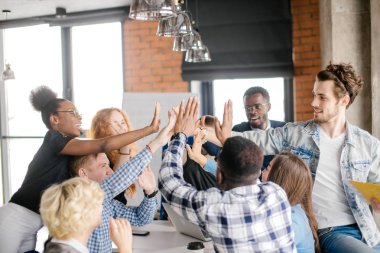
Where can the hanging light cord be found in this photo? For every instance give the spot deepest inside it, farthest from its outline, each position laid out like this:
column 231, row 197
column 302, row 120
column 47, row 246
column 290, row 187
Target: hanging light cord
column 4, row 41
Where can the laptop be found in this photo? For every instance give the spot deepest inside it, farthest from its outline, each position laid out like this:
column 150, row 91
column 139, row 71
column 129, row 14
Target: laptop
column 184, row 226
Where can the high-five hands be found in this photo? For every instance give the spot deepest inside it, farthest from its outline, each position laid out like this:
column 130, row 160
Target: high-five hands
column 187, row 117
column 164, row 135
column 223, row 131
column 218, row 133
column 155, row 124
column 194, row 152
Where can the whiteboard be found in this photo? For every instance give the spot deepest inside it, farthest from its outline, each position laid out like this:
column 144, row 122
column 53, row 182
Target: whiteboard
column 140, row 109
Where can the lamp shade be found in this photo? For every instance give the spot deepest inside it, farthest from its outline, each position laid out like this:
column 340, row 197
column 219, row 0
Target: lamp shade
column 183, row 43
column 8, row 73
column 198, row 55
column 151, row 9
column 175, row 26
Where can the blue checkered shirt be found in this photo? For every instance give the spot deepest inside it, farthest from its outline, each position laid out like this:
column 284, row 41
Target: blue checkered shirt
column 123, row 177
column 254, row 218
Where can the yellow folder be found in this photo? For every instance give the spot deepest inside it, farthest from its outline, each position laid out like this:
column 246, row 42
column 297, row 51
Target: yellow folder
column 367, row 190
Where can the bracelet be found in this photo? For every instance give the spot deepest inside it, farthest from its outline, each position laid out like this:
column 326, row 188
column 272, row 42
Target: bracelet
column 148, row 147
column 153, row 194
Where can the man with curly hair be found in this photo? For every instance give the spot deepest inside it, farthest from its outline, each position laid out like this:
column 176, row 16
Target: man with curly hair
column 335, row 151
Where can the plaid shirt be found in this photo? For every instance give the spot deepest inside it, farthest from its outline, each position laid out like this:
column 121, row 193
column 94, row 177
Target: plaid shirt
column 254, row 218
column 124, row 176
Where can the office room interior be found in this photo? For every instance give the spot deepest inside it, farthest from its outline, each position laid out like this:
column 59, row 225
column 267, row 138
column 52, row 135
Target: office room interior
column 93, row 54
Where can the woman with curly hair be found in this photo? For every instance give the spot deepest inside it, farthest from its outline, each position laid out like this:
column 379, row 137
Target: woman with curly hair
column 293, row 175
column 20, row 219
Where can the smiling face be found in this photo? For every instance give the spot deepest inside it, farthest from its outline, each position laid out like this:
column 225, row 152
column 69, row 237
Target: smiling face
column 256, row 109
column 66, row 120
column 326, row 105
column 116, row 123
column 97, row 168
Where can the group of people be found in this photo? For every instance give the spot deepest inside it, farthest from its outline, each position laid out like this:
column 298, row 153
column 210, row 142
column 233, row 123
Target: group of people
column 276, row 187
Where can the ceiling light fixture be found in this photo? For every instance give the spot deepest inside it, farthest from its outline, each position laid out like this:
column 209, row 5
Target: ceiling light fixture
column 198, row 52
column 8, row 72
column 151, row 9
column 175, row 26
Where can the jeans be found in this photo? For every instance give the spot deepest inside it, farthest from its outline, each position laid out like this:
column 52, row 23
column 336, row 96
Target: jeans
column 344, row 239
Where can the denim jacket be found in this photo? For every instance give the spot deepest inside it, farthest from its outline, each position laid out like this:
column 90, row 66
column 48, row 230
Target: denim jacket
column 359, row 161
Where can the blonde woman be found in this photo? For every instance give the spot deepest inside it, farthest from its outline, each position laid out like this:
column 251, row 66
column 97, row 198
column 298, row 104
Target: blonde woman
column 72, row 210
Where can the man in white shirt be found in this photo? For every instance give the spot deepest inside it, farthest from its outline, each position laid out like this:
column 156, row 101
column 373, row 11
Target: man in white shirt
column 335, row 152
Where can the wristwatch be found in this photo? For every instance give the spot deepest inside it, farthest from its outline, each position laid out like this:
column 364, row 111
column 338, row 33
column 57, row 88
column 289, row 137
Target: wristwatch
column 153, row 194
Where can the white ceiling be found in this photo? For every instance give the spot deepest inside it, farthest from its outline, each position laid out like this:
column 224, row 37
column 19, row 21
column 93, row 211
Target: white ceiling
column 34, row 8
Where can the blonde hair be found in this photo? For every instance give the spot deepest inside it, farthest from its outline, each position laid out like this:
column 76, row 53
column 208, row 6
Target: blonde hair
column 67, row 208
column 100, row 128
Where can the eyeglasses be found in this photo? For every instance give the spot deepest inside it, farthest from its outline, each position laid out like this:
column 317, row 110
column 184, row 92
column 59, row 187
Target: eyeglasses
column 257, row 107
column 75, row 113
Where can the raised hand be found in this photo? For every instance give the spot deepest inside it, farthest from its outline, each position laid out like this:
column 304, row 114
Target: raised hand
column 187, row 119
column 147, row 181
column 164, row 135
column 121, row 234
column 194, row 152
column 155, row 124
column 223, row 131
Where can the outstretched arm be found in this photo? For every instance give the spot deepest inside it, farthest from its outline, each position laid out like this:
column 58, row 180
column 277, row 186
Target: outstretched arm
column 103, row 145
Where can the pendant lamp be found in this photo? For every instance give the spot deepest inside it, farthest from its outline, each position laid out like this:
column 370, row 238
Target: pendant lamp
column 8, row 73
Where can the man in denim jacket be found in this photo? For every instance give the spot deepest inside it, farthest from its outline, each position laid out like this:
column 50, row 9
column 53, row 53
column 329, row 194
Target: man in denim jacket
column 335, row 151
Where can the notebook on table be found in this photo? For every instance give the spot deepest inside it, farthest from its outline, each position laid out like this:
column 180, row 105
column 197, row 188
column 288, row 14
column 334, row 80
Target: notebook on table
column 184, row 226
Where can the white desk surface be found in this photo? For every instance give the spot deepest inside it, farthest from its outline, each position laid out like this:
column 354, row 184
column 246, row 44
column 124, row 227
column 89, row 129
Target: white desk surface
column 162, row 239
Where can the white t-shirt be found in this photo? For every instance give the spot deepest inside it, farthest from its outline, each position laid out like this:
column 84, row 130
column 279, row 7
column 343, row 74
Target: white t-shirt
column 329, row 200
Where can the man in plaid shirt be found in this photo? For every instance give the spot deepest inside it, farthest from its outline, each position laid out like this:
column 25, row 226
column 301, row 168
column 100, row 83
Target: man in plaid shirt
column 115, row 183
column 240, row 216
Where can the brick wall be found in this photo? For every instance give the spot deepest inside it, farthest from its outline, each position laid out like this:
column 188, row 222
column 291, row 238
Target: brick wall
column 306, row 54
column 150, row 65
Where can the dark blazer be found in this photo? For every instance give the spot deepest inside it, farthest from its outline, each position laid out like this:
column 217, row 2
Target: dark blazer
column 245, row 126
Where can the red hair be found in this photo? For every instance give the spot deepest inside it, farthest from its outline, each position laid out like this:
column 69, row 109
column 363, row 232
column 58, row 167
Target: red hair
column 100, row 128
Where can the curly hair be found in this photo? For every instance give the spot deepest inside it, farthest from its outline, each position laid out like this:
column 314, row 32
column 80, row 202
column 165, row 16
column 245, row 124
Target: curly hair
column 100, row 128
column 293, row 175
column 45, row 100
column 346, row 81
column 67, row 208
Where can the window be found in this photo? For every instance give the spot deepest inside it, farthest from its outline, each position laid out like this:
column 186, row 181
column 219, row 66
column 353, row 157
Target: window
column 234, row 89
column 97, row 68
column 35, row 55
